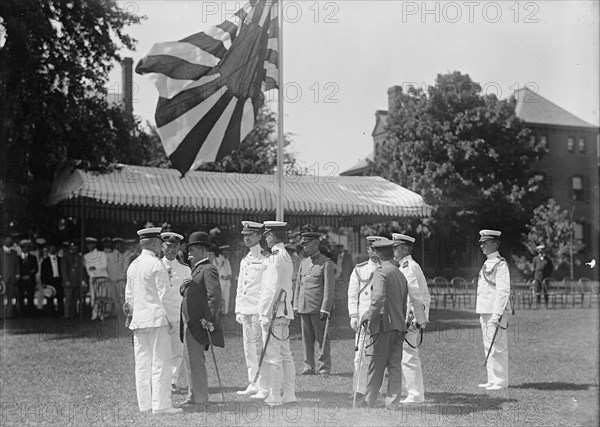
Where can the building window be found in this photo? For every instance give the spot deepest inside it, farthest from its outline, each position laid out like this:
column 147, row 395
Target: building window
column 578, row 231
column 544, row 140
column 570, row 144
column 581, row 145
column 577, row 186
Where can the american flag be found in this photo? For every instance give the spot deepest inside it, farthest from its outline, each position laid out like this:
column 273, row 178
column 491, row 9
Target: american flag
column 211, row 84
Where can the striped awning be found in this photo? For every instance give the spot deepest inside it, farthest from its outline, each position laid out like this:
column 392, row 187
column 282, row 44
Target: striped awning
column 132, row 193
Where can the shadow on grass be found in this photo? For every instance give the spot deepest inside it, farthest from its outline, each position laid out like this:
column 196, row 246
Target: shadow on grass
column 466, row 403
column 554, row 386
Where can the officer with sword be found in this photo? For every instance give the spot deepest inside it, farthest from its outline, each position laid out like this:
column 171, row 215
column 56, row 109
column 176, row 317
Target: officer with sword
column 412, row 374
column 493, row 292
column 276, row 364
column 359, row 299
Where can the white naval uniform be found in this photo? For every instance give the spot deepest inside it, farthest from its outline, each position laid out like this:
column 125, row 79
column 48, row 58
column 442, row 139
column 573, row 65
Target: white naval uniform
column 492, row 302
column 359, row 300
column 177, row 273
column 278, row 365
column 412, row 374
column 147, row 282
column 246, row 305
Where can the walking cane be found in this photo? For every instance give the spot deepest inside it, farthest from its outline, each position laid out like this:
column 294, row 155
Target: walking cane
column 264, row 349
column 360, row 355
column 212, row 350
column 322, row 350
column 492, row 343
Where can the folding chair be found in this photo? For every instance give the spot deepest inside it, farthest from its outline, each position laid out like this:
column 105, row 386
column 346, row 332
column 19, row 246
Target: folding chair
column 106, row 296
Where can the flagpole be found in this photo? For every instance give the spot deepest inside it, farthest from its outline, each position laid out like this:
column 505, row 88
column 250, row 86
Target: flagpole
column 279, row 212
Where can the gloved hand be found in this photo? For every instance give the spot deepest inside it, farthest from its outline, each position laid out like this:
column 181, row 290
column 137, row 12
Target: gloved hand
column 354, row 323
column 323, row 315
column 239, row 318
column 495, row 321
column 363, row 321
column 209, row 326
column 127, row 309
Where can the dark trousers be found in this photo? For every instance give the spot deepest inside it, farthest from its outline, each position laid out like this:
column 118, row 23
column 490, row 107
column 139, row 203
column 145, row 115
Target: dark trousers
column 540, row 287
column 27, row 290
column 196, row 371
column 312, row 330
column 386, row 352
column 71, row 297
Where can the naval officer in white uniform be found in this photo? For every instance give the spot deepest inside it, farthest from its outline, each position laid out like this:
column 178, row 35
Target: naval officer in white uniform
column 145, row 291
column 359, row 299
column 493, row 291
column 412, row 373
column 246, row 302
column 178, row 273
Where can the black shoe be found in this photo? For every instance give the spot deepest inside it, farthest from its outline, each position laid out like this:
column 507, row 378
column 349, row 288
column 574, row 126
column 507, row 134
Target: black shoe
column 307, row 371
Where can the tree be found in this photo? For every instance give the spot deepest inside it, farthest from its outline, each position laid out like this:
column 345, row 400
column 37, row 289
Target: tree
column 53, row 110
column 258, row 152
column 552, row 227
column 466, row 153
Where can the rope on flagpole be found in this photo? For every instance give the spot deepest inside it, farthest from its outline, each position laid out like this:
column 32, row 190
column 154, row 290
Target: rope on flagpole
column 279, row 212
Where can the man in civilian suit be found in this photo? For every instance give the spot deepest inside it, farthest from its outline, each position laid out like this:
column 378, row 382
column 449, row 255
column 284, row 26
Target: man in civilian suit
column 386, row 325
column 200, row 314
column 50, row 275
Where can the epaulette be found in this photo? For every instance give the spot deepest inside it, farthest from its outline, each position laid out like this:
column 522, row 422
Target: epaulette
column 265, row 252
column 181, row 262
column 362, row 264
column 405, row 264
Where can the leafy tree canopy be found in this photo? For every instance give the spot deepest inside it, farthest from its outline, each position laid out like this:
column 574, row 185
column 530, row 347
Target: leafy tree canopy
column 553, row 227
column 466, row 153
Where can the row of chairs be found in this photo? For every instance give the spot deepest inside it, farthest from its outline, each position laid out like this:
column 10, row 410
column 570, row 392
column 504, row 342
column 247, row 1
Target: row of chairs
column 460, row 292
column 108, row 296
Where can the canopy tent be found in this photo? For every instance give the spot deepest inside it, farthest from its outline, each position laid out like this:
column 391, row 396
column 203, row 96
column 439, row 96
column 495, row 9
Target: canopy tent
column 136, row 193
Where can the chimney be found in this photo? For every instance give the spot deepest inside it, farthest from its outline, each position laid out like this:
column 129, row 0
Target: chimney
column 394, row 94
column 127, row 82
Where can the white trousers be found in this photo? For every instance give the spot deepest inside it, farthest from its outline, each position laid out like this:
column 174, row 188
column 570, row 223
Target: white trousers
column 252, row 336
column 412, row 374
column 179, row 378
column 278, row 368
column 497, row 364
column 360, row 382
column 152, row 349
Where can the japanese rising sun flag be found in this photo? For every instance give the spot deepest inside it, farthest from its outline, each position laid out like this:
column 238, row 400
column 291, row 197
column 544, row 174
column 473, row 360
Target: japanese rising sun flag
column 211, row 84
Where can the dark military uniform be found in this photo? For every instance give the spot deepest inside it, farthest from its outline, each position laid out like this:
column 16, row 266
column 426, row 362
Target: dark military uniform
column 315, row 287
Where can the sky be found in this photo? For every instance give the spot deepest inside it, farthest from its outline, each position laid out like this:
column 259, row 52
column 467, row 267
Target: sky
column 340, row 58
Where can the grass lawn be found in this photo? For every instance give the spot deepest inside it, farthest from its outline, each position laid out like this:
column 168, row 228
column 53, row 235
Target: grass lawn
column 63, row 373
